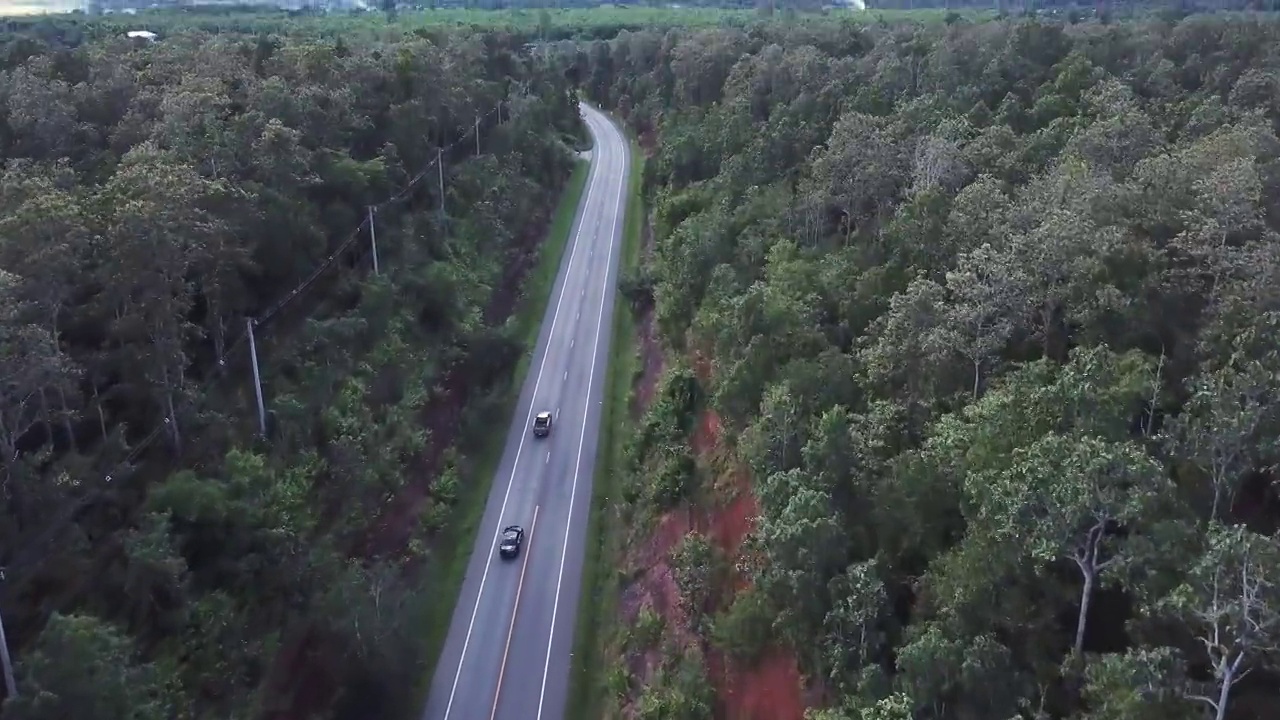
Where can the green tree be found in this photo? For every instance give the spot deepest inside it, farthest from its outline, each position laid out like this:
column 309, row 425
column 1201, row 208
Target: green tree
column 1065, row 497
column 83, row 668
column 1138, row 684
column 1231, row 601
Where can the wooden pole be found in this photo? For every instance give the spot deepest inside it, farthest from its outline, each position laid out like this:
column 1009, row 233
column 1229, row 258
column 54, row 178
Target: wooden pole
column 373, row 241
column 257, row 379
column 440, row 171
column 10, row 686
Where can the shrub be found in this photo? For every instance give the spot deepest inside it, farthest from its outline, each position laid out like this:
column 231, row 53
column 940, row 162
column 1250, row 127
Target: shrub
column 647, row 630
column 744, row 629
column 682, row 692
column 674, row 478
column 698, row 568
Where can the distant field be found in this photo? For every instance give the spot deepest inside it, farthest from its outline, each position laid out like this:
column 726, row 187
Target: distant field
column 612, row 15
column 11, row 8
column 603, row 20
column 523, row 19
column 605, row 14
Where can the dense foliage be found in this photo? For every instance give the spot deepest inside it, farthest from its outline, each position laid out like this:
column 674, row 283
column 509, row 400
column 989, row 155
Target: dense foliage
column 155, row 196
column 990, row 313
column 22, row 34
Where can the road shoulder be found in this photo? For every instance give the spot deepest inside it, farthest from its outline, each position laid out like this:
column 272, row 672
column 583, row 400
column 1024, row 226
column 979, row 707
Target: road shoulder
column 453, row 550
column 598, row 599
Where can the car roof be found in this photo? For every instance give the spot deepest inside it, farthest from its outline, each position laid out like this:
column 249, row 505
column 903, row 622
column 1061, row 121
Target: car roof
column 510, row 529
column 544, row 415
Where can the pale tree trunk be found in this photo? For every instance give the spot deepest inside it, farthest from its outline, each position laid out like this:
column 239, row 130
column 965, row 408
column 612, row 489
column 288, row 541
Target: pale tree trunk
column 1230, row 675
column 1224, row 692
column 219, row 341
column 172, row 416
column 1228, row 653
column 1086, row 557
column 8, row 482
column 10, row 687
column 97, row 404
column 813, row 224
column 1086, row 598
column 46, row 415
column 54, row 314
column 217, row 321
column 1155, row 394
column 1055, row 340
column 976, row 346
column 66, row 420
column 1218, row 478
column 8, row 442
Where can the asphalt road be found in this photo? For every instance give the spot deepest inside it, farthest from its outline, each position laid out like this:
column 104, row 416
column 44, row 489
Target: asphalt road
column 507, row 654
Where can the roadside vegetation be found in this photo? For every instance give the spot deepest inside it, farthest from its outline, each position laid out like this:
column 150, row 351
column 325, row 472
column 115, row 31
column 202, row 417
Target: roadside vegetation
column 532, row 23
column 605, row 531
column 453, row 551
column 160, row 559
column 944, row 373
column 968, row 399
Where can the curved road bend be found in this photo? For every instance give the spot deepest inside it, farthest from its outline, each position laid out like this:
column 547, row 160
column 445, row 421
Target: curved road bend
column 507, row 652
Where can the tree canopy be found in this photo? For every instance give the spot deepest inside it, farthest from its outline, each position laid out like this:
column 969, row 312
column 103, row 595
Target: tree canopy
column 160, row 560
column 986, row 312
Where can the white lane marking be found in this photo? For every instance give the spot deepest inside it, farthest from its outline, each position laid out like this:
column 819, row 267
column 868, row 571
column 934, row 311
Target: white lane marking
column 566, row 375
column 572, row 342
column 548, row 459
column 502, row 669
column 555, row 608
column 591, row 189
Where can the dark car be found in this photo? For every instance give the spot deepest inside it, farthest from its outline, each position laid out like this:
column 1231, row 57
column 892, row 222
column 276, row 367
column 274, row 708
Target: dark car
column 512, row 539
column 542, row 424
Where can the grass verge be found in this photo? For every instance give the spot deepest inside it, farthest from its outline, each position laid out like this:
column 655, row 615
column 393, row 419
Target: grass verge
column 452, row 549
column 598, row 603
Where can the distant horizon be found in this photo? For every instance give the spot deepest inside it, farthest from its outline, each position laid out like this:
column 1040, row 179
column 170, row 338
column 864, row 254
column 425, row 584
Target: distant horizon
column 11, row 8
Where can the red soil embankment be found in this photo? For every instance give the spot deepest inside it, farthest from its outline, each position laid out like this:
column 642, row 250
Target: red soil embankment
column 771, row 689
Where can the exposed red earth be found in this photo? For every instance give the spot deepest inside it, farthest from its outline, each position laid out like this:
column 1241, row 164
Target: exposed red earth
column 772, row 688
column 300, row 681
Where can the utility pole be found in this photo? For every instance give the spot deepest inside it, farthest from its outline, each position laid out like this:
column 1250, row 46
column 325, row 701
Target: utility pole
column 440, row 170
column 373, row 241
column 477, row 136
column 10, row 687
column 257, row 379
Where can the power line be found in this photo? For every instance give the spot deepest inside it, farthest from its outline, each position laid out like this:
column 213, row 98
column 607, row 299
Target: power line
column 313, row 277
column 25, row 556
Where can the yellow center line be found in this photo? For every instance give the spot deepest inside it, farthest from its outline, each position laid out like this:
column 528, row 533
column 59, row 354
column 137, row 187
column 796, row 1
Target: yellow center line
column 502, row 669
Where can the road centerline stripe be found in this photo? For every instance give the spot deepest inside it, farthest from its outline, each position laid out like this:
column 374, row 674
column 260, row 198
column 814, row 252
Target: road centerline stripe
column 564, row 548
column 524, row 566
column 596, row 177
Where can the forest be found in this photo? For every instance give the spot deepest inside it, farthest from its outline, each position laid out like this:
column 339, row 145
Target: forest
column 962, row 390
column 367, row 207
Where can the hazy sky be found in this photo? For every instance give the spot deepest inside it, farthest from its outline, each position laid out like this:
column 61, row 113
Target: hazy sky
column 30, row 7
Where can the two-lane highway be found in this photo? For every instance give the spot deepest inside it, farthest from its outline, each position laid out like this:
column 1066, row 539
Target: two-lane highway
column 507, row 652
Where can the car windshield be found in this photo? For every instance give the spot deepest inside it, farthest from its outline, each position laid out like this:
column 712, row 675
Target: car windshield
column 511, row 535
column 542, row 419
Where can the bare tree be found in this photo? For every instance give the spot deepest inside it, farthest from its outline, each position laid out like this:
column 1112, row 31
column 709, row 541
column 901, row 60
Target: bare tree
column 1219, row 429
column 1231, row 599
